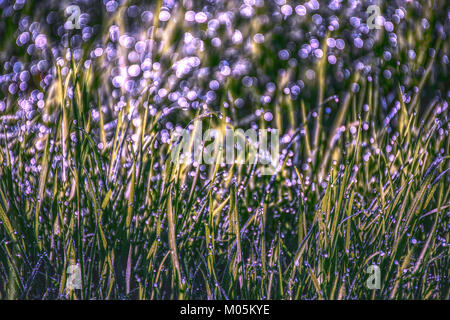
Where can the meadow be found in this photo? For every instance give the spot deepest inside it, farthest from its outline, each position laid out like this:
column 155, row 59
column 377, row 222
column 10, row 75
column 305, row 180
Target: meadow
column 90, row 101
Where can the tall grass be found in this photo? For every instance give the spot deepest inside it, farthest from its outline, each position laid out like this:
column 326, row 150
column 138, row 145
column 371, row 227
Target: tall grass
column 363, row 180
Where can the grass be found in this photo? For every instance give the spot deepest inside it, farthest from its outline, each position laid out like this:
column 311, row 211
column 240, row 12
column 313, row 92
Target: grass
column 364, row 183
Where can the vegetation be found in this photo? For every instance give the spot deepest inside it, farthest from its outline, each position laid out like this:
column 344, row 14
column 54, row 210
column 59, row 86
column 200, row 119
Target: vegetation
column 87, row 116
